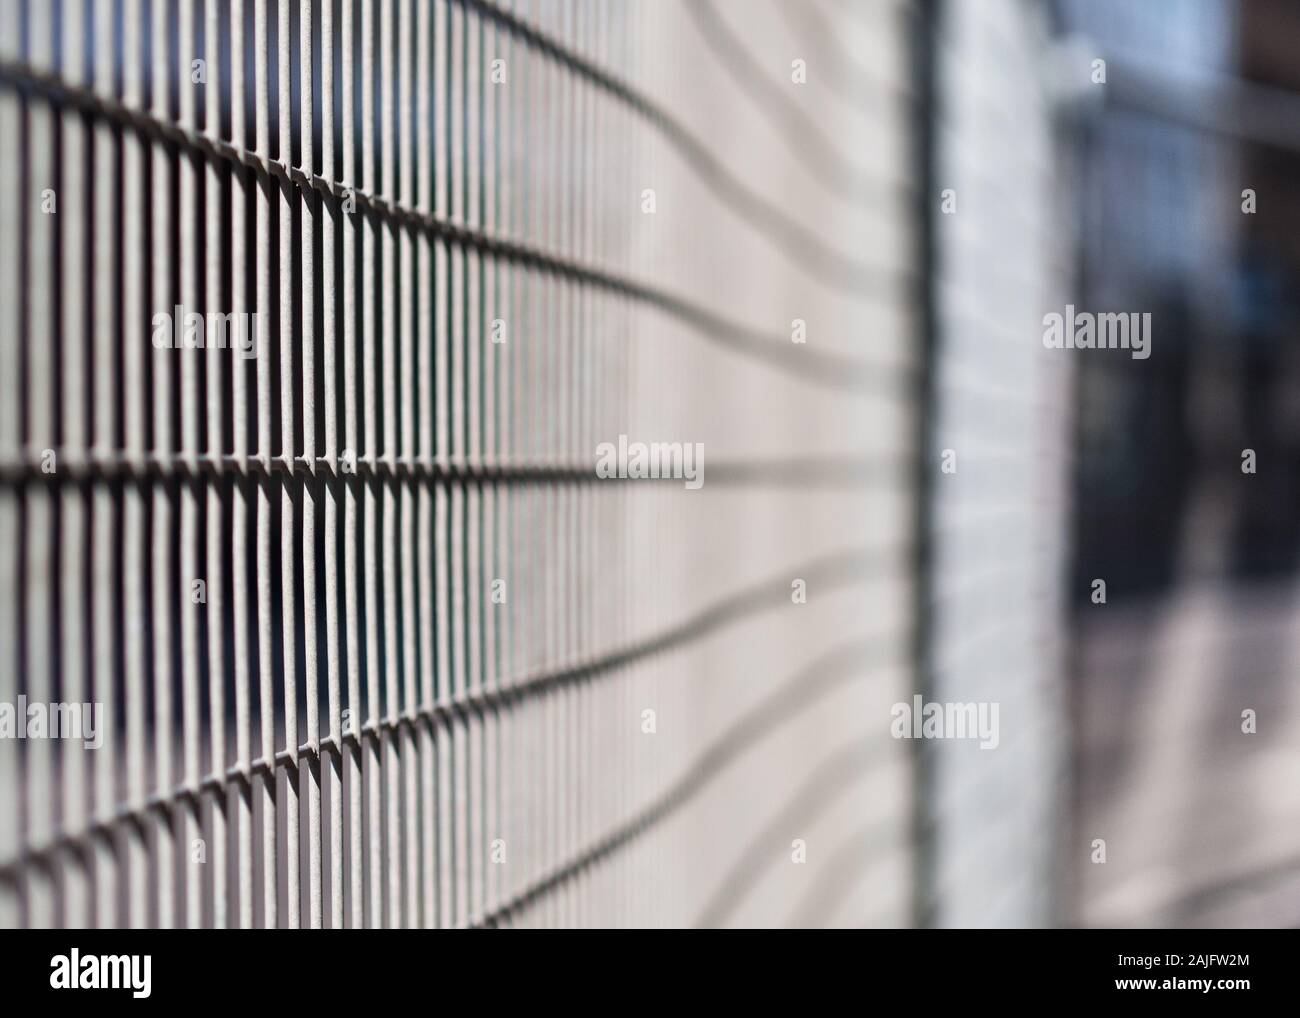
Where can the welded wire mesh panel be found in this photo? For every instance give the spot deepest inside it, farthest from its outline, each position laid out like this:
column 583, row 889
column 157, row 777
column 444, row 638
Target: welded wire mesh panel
column 317, row 322
column 1001, row 456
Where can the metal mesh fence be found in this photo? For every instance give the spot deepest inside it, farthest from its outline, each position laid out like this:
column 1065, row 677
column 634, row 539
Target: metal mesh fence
column 313, row 318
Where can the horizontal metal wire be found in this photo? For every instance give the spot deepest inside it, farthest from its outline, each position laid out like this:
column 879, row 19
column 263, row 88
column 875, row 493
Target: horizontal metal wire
column 817, row 151
column 800, row 243
column 833, row 669
column 847, row 568
column 822, row 788
column 822, row 367
column 77, row 467
column 846, row 74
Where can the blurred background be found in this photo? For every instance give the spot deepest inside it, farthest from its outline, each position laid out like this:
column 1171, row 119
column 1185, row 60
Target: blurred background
column 1187, row 206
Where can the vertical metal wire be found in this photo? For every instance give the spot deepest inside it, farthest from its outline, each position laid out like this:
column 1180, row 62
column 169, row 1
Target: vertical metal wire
column 310, row 506
column 41, row 424
column 442, row 445
column 473, row 454
column 189, row 821
column 457, row 111
column 387, row 451
column 36, row 533
column 424, row 568
column 218, row 189
column 263, row 577
column 925, row 27
column 333, row 410
column 160, row 593
column 410, row 408
column 506, row 854
column 12, row 903
column 489, row 561
column 243, row 205
column 133, row 343
column 371, row 352
column 352, row 449
column 75, row 439
column 289, row 389
column 104, row 622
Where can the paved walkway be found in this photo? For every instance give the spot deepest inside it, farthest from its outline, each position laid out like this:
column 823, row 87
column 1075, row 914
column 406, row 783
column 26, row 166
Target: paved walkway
column 1201, row 821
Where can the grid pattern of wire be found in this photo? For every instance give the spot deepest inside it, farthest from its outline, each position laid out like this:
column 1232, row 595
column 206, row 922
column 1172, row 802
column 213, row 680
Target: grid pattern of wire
column 374, row 644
